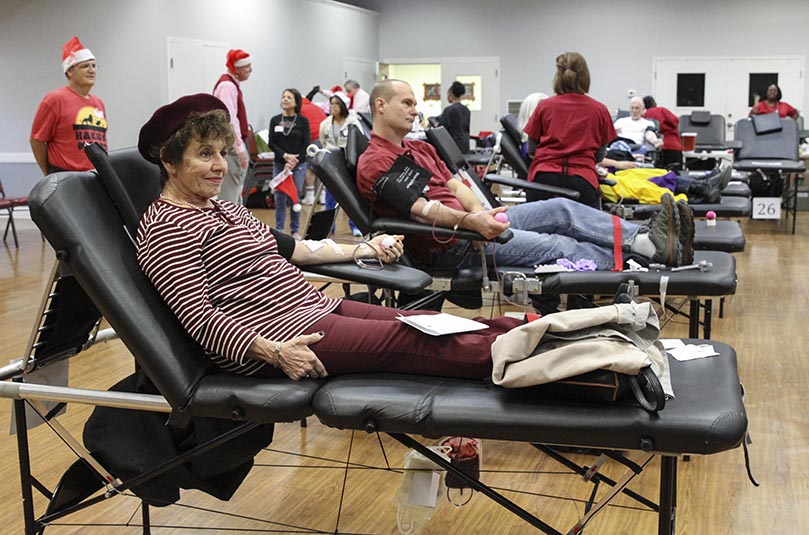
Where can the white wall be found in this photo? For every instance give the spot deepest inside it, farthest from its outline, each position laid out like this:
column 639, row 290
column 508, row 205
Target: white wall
column 128, row 38
column 619, row 39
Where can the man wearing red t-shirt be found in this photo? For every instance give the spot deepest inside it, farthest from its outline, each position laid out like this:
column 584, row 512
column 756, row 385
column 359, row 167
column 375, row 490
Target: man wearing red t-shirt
column 69, row 117
column 544, row 231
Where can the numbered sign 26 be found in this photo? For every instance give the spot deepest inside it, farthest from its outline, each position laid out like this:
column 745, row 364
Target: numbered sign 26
column 766, row 207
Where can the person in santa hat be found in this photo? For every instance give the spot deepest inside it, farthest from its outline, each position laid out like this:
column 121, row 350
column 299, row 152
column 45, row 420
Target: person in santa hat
column 228, row 90
column 70, row 116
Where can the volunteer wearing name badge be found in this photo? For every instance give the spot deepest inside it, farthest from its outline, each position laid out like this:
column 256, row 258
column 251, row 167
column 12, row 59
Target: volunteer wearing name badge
column 288, row 139
column 230, row 281
column 70, row 116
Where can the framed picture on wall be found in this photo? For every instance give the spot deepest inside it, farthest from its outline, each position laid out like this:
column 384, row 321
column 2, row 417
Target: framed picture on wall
column 469, row 94
column 432, row 91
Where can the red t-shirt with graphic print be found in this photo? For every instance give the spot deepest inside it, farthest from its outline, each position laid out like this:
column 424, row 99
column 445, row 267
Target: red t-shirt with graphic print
column 66, row 121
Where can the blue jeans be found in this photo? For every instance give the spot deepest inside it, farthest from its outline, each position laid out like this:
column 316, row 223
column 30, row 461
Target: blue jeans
column 282, row 201
column 545, row 231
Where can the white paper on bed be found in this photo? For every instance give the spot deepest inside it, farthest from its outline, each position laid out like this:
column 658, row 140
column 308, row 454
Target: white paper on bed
column 440, row 324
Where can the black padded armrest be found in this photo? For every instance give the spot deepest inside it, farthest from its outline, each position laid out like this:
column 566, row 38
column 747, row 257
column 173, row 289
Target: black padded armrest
column 401, row 226
column 394, row 276
column 532, row 186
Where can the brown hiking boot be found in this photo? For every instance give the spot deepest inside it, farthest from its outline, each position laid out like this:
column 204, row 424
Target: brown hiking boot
column 664, row 231
column 686, row 233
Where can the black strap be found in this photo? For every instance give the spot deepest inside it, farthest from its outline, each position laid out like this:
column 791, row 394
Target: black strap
column 650, row 396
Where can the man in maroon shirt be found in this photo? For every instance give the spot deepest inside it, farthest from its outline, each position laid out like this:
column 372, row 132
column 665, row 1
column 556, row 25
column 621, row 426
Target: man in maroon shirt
column 544, row 231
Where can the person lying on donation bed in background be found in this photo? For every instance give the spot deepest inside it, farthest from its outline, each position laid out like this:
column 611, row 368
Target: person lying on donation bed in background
column 231, row 281
column 527, row 107
column 288, row 139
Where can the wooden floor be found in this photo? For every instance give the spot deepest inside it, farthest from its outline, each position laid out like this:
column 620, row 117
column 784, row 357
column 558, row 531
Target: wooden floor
column 765, row 321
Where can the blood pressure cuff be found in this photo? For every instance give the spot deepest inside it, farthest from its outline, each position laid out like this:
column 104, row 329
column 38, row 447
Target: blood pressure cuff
column 402, row 185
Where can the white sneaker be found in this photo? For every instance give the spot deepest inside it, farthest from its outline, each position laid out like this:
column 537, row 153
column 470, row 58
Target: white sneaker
column 297, row 236
column 308, row 197
column 357, row 233
column 322, row 199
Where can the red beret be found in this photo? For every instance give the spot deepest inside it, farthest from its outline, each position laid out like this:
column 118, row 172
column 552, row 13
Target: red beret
column 169, row 118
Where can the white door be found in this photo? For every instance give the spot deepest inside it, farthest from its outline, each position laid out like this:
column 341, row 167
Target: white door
column 727, row 84
column 194, row 66
column 481, row 76
column 362, row 70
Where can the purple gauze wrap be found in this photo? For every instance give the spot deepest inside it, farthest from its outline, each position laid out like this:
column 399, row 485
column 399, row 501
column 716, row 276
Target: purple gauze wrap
column 582, row 265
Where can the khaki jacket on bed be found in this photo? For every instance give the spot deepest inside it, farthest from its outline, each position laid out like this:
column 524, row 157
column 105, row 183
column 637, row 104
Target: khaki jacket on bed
column 620, row 338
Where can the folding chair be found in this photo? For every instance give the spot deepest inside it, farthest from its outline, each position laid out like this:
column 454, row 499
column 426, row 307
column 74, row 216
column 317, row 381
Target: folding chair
column 8, row 204
column 259, row 170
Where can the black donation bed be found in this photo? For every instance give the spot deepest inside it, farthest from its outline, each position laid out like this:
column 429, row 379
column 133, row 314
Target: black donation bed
column 76, row 215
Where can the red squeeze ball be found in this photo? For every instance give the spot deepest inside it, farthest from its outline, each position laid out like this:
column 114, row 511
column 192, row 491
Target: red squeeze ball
column 501, row 217
column 710, row 214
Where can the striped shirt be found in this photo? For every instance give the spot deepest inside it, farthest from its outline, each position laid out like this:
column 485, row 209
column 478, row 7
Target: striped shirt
column 220, row 272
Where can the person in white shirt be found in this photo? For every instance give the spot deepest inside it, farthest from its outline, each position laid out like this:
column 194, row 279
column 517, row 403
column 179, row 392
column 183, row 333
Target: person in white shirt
column 360, row 99
column 635, row 127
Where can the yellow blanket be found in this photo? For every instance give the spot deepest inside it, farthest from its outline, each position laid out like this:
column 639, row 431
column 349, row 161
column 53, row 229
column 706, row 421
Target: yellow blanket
column 634, row 184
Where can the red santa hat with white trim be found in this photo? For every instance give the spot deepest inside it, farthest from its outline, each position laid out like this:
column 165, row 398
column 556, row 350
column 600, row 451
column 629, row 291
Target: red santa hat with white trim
column 73, row 52
column 237, row 58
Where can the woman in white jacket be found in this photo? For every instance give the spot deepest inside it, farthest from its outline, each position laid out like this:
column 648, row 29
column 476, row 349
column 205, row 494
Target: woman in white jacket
column 334, row 133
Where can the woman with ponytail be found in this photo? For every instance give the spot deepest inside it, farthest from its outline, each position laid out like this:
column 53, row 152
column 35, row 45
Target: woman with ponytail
column 566, row 131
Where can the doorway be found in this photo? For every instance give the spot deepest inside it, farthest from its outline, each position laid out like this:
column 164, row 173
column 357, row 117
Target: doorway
column 194, row 66
column 724, row 86
column 431, row 77
column 363, row 71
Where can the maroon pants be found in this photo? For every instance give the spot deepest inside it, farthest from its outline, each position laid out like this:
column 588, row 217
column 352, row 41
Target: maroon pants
column 368, row 338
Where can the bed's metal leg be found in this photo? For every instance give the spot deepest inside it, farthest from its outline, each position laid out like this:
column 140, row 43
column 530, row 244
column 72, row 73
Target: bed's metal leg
column 580, row 470
column 721, row 307
column 706, row 320
column 668, row 495
column 475, row 484
column 147, row 523
column 693, row 318
column 25, row 467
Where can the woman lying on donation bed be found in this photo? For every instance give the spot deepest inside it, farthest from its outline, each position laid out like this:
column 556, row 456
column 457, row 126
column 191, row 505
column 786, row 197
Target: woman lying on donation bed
column 231, row 281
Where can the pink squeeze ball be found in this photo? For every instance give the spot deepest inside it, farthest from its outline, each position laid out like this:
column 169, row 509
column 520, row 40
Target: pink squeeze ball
column 710, row 214
column 388, row 241
column 501, row 217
